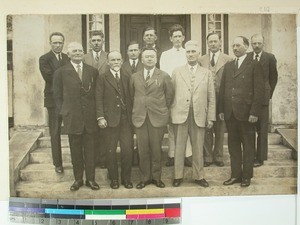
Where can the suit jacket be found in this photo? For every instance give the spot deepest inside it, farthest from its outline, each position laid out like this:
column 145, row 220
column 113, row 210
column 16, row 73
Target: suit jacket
column 102, row 66
column 108, row 98
column 48, row 64
column 202, row 95
column 268, row 62
column 75, row 99
column 152, row 98
column 127, row 69
column 219, row 66
column 241, row 93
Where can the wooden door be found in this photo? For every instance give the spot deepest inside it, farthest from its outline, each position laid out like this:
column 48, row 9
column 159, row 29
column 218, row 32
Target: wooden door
column 132, row 28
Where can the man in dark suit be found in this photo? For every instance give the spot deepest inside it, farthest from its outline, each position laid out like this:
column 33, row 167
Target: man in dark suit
column 130, row 66
column 97, row 59
column 48, row 64
column 133, row 64
column 152, row 94
column 74, row 94
column 214, row 61
column 114, row 116
column 241, row 94
column 268, row 62
column 150, row 37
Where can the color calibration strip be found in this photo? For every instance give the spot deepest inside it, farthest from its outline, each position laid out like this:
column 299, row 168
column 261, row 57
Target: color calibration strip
column 95, row 212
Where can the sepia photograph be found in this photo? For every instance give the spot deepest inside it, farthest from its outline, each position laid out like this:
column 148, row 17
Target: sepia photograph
column 114, row 106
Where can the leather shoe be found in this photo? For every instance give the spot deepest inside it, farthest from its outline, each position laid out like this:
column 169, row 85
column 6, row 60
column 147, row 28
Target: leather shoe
column 143, row 184
column 232, row 181
column 207, row 164
column 177, row 182
column 219, row 163
column 158, row 183
column 76, row 185
column 246, row 182
column 202, row 182
column 127, row 184
column 170, row 162
column 188, row 161
column 258, row 163
column 92, row 184
column 114, row 184
column 59, row 169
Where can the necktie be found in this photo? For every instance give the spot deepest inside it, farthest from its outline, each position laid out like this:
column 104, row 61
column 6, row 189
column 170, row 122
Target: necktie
column 212, row 62
column 133, row 66
column 257, row 57
column 59, row 57
column 97, row 57
column 79, row 71
column 236, row 65
column 148, row 76
column 117, row 77
column 192, row 70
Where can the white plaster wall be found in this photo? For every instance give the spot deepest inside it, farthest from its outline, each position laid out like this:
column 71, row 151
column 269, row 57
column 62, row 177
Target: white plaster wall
column 30, row 41
column 284, row 47
column 196, row 28
column 28, row 45
column 69, row 25
column 114, row 32
column 242, row 24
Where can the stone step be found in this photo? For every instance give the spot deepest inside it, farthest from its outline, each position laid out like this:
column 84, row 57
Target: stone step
column 274, row 139
column 46, row 173
column 259, row 186
column 43, row 155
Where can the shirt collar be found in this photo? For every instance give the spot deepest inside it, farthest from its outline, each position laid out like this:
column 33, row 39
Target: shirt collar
column 194, row 67
column 95, row 53
column 241, row 59
column 146, row 72
column 131, row 61
column 57, row 55
column 75, row 65
column 178, row 50
column 114, row 72
column 216, row 54
column 259, row 55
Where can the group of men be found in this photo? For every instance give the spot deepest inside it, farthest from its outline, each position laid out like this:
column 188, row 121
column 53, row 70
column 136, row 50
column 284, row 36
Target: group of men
column 103, row 101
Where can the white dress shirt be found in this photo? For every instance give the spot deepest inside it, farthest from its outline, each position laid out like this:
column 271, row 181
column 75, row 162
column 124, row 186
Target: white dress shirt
column 171, row 59
column 146, row 72
column 241, row 60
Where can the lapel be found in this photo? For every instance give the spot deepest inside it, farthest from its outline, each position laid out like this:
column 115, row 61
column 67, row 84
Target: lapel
column 243, row 66
column 140, row 77
column 102, row 59
column 186, row 76
column 154, row 78
column 111, row 80
column 85, row 74
column 54, row 60
column 199, row 76
column 221, row 61
column 73, row 73
column 263, row 58
column 206, row 63
column 127, row 67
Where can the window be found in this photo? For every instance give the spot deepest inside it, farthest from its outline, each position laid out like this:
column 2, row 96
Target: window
column 215, row 23
column 92, row 22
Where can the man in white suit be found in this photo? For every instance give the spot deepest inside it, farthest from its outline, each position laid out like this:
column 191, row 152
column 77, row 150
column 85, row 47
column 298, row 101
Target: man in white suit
column 193, row 109
column 214, row 61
